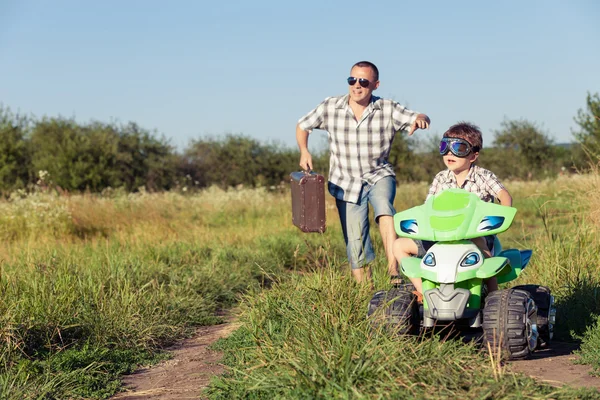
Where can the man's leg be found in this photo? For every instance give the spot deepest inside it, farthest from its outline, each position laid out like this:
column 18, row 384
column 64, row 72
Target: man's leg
column 362, row 275
column 355, row 226
column 381, row 197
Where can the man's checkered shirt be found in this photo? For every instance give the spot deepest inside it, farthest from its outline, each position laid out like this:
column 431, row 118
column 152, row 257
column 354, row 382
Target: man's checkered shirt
column 479, row 180
column 359, row 151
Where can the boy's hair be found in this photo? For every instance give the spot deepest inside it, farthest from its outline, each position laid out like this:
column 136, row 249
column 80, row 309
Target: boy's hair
column 466, row 131
column 365, row 64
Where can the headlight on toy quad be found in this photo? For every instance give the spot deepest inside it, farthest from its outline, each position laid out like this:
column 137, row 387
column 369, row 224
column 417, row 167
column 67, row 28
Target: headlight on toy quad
column 470, row 260
column 429, row 260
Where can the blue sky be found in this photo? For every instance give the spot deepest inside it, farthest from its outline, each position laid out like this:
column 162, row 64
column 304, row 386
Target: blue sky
column 188, row 69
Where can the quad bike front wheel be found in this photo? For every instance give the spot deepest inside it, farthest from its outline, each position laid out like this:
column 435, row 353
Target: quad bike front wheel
column 396, row 310
column 510, row 323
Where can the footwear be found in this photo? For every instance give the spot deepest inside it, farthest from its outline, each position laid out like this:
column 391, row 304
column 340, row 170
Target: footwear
column 419, row 296
column 396, row 280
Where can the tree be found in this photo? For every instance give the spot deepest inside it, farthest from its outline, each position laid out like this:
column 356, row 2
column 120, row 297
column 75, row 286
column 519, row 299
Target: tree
column 528, row 151
column 144, row 159
column 415, row 158
column 589, row 121
column 237, row 159
column 14, row 154
column 96, row 156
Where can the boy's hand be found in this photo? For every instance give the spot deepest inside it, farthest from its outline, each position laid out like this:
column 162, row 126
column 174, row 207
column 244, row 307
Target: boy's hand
column 422, row 122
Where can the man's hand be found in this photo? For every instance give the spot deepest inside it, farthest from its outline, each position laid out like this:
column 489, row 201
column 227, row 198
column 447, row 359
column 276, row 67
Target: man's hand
column 305, row 157
column 306, row 160
column 422, row 122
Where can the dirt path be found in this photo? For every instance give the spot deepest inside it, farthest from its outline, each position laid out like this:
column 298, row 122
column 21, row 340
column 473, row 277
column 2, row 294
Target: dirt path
column 554, row 366
column 193, row 364
column 184, row 376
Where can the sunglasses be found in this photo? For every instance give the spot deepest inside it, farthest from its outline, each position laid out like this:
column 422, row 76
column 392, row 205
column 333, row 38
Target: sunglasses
column 362, row 81
column 459, row 147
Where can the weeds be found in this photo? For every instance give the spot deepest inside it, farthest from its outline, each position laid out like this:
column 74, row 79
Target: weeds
column 92, row 286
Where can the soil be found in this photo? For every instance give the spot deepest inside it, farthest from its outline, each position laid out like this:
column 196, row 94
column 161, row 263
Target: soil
column 186, row 374
column 554, row 366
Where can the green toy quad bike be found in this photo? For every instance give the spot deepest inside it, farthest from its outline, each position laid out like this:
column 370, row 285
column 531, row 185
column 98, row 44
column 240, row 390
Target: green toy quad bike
column 518, row 320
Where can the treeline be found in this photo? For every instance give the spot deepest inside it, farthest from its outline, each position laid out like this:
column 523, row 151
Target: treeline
column 95, row 156
column 71, row 156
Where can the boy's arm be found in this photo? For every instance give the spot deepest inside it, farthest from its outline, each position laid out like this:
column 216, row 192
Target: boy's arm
column 505, row 198
column 497, row 189
column 434, row 188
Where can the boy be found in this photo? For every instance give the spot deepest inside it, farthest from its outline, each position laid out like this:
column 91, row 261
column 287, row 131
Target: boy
column 460, row 148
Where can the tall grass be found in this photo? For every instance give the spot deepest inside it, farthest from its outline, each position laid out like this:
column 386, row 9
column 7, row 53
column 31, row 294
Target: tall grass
column 309, row 338
column 92, row 286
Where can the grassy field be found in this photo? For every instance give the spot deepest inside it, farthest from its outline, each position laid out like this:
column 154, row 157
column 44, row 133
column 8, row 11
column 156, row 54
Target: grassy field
column 92, row 286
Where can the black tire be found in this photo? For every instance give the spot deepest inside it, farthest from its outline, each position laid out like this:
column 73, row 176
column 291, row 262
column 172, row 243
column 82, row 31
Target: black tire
column 396, row 310
column 545, row 303
column 509, row 323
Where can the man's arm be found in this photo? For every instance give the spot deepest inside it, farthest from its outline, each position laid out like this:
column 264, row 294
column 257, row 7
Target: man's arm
column 422, row 122
column 312, row 120
column 505, row 198
column 305, row 157
column 405, row 119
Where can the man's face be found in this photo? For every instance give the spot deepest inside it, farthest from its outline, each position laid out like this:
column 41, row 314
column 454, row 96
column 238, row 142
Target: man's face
column 358, row 93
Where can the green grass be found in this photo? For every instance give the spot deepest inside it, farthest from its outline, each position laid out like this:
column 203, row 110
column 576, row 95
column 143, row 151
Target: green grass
column 93, row 286
column 78, row 310
column 308, row 338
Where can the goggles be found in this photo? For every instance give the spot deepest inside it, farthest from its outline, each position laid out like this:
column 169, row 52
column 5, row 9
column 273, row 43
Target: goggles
column 362, row 81
column 459, row 147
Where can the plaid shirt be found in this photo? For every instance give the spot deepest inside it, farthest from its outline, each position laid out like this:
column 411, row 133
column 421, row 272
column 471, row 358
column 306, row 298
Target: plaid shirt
column 359, row 150
column 479, row 180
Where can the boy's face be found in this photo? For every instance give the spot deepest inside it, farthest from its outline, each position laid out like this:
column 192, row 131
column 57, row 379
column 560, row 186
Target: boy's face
column 459, row 164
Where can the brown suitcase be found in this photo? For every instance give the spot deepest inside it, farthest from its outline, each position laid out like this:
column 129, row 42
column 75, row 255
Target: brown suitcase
column 308, row 201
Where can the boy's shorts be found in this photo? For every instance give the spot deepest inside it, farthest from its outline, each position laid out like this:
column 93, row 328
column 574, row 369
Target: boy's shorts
column 424, row 245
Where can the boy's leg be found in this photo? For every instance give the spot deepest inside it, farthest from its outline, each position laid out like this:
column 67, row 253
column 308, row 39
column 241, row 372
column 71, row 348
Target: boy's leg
column 492, row 283
column 355, row 227
column 405, row 247
column 388, row 236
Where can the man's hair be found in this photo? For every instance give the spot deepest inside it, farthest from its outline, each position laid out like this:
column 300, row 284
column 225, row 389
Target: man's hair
column 466, row 131
column 364, row 64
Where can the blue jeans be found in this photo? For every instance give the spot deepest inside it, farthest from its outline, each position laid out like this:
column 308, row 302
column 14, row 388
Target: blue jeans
column 355, row 219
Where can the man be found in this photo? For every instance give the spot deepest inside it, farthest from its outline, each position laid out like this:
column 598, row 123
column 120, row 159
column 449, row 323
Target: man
column 361, row 128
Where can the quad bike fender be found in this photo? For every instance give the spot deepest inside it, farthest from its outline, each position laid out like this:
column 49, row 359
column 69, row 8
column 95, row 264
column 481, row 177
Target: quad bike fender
column 494, row 266
column 518, row 261
column 411, row 267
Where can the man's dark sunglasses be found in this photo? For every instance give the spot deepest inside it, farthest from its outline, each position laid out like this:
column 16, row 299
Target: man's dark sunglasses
column 459, row 147
column 362, row 81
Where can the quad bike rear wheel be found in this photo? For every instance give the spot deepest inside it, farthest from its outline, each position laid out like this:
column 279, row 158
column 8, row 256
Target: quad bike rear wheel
column 546, row 315
column 396, row 310
column 510, row 323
